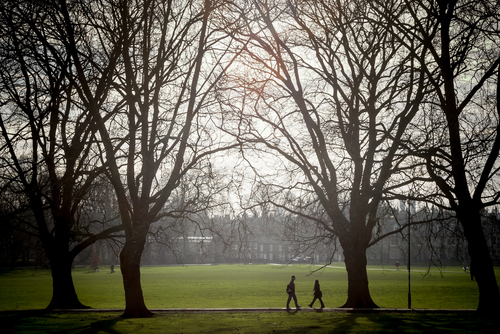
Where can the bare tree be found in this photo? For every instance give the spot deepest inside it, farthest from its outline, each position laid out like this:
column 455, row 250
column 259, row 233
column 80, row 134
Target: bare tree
column 47, row 156
column 462, row 144
column 328, row 90
column 159, row 124
column 198, row 215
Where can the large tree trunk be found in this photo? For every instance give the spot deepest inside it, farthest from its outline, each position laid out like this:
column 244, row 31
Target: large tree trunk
column 57, row 251
column 130, row 262
column 358, row 293
column 63, row 291
column 489, row 296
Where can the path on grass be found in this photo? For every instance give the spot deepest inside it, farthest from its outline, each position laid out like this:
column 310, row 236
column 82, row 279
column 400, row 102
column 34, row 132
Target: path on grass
column 270, row 310
column 379, row 269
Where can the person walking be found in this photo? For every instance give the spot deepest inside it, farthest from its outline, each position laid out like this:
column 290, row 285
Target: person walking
column 317, row 294
column 290, row 289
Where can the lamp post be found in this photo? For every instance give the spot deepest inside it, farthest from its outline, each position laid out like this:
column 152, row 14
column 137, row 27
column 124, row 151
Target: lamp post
column 409, row 257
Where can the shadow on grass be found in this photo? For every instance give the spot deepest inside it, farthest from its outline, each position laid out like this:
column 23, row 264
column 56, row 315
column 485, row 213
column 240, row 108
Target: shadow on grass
column 101, row 326
column 286, row 322
column 318, row 310
column 43, row 321
column 409, row 323
column 395, row 323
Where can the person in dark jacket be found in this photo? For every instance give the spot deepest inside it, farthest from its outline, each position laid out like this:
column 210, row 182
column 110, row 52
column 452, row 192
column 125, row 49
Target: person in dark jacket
column 290, row 289
column 317, row 294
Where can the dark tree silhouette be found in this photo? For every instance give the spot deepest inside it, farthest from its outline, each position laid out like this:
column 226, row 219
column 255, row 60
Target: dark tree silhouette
column 47, row 139
column 462, row 120
column 328, row 90
column 159, row 127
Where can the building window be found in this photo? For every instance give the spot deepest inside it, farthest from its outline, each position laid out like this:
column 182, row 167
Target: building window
column 261, row 247
column 271, row 248
column 280, row 248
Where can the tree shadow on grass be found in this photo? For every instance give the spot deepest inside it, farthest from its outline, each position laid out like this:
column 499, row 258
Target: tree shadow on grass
column 396, row 323
column 356, row 322
column 407, row 323
column 16, row 321
column 10, row 320
column 101, row 326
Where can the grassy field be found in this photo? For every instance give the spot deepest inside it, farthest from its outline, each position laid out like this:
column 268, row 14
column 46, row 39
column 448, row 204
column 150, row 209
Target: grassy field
column 239, row 286
column 282, row 322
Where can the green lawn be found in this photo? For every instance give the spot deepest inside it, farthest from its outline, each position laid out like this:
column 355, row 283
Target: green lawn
column 241, row 286
column 282, row 322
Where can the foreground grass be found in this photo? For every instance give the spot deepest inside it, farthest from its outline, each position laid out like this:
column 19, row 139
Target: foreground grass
column 281, row 322
column 242, row 286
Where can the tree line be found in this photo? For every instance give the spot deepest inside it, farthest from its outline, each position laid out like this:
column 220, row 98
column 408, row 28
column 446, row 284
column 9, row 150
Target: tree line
column 327, row 110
